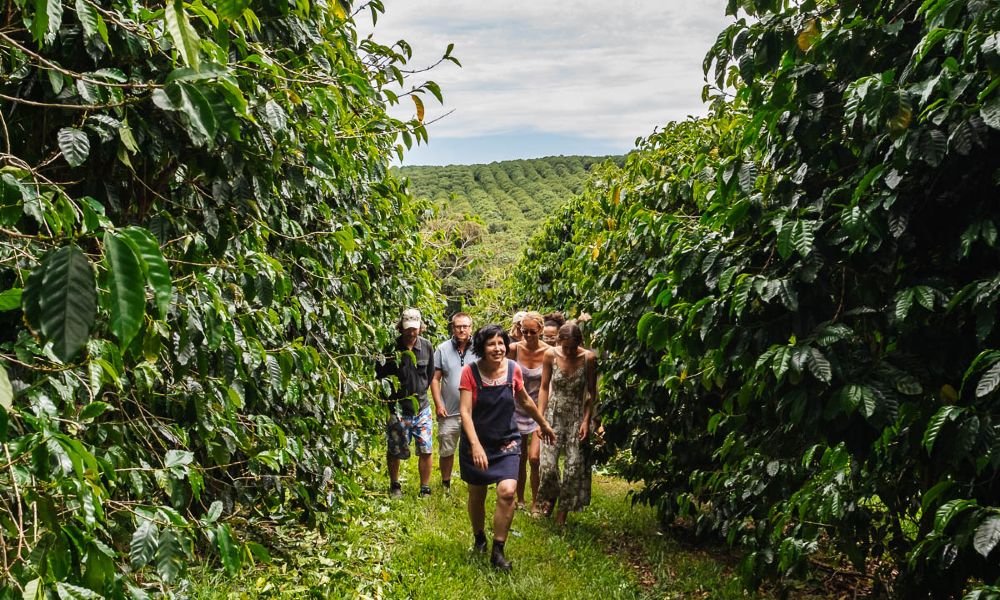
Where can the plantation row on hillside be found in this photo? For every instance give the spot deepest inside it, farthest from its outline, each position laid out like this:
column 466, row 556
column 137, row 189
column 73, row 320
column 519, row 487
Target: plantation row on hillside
column 486, row 213
column 795, row 298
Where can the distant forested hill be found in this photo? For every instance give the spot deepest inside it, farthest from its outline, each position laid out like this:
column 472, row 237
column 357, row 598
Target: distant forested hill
column 486, row 213
column 513, row 196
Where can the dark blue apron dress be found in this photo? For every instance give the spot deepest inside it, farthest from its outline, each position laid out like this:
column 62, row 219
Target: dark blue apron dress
column 493, row 418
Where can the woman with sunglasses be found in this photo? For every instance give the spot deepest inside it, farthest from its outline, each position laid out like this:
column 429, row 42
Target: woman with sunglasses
column 528, row 354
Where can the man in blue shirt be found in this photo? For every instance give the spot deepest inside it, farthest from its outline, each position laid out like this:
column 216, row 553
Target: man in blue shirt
column 449, row 359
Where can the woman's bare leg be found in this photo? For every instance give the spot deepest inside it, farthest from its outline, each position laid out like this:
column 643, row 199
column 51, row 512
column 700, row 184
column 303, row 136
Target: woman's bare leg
column 477, row 507
column 533, row 452
column 522, row 467
column 504, row 513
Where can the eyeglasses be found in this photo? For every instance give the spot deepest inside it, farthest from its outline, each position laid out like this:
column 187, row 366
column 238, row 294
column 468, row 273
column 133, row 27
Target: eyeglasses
column 530, row 331
column 462, row 326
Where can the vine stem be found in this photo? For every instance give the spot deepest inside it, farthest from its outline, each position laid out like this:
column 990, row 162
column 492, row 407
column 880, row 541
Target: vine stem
column 21, row 540
column 68, row 106
column 51, row 65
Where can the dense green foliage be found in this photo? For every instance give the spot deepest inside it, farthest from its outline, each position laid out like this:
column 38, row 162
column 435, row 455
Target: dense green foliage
column 796, row 297
column 486, row 214
column 201, row 249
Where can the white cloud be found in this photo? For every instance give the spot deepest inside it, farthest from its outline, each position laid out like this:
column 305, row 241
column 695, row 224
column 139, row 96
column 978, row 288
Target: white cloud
column 603, row 70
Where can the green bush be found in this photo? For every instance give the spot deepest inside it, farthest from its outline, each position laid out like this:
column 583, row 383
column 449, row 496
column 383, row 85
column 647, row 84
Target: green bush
column 796, row 296
column 201, row 248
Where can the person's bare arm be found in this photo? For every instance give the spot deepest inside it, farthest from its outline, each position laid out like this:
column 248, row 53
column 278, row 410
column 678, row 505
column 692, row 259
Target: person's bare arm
column 543, row 391
column 436, row 393
column 528, row 405
column 590, row 364
column 465, row 408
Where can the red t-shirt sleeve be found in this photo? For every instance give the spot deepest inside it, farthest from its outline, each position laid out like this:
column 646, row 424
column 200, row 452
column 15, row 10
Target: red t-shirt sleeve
column 468, row 381
column 518, row 379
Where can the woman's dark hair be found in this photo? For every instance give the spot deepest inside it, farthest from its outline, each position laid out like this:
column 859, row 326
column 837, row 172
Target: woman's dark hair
column 554, row 318
column 487, row 333
column 571, row 331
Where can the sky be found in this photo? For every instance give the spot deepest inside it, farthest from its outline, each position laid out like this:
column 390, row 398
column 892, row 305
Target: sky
column 543, row 78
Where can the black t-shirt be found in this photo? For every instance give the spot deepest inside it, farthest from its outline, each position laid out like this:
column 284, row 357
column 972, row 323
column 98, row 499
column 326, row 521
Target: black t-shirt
column 414, row 378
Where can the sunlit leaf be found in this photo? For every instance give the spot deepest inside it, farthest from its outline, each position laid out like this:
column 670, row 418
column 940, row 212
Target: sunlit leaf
column 419, row 104
column 184, row 36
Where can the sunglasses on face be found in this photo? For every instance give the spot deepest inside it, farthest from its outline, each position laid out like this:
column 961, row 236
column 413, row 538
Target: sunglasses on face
column 530, row 331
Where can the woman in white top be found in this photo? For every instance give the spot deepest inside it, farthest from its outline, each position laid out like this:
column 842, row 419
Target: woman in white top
column 528, row 354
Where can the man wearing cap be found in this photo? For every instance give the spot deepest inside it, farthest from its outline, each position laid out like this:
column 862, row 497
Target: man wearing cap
column 449, row 359
column 411, row 361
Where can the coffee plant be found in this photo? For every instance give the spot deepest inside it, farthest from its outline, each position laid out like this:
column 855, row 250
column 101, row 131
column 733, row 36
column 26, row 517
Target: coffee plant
column 201, row 251
column 796, row 296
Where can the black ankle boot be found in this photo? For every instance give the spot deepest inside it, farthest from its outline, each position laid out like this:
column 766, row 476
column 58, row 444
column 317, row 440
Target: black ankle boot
column 497, row 559
column 480, row 543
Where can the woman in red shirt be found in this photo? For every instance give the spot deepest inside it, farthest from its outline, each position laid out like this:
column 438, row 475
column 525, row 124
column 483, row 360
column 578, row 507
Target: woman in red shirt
column 490, row 448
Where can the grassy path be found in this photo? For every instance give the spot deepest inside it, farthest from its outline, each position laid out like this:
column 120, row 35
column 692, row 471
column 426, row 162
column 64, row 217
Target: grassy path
column 420, row 548
column 612, row 550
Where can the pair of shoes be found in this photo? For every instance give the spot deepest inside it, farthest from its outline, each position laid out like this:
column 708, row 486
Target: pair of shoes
column 498, row 560
column 395, row 490
column 520, row 506
column 479, row 545
column 425, row 491
column 446, row 484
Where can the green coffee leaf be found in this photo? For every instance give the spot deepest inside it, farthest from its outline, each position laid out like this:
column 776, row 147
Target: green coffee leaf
column 184, row 36
column 10, row 299
column 68, row 591
column 178, row 458
column 143, row 544
column 989, row 381
column 128, row 300
column 93, row 410
column 147, row 248
column 228, row 549
column 987, row 535
column 67, row 300
column 6, row 391
column 48, row 20
column 169, row 557
column 230, row 10
column 90, row 19
column 75, row 145
column 943, row 415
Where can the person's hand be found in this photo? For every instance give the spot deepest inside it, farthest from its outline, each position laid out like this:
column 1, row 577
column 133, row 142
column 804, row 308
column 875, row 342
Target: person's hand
column 479, row 457
column 599, row 434
column 547, row 433
column 441, row 411
column 584, row 429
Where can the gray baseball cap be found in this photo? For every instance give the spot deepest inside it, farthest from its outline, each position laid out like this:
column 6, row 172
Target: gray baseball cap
column 410, row 318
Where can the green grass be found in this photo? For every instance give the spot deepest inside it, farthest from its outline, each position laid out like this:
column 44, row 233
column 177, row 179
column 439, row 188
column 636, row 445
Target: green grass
column 413, row 548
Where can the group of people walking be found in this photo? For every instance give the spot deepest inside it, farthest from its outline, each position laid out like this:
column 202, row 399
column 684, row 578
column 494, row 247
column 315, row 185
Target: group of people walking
column 509, row 403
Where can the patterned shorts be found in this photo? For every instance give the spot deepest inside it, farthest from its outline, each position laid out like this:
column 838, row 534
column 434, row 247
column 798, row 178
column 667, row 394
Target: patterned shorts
column 400, row 430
